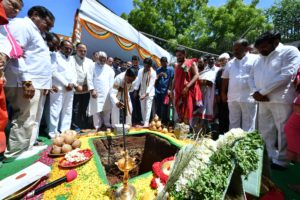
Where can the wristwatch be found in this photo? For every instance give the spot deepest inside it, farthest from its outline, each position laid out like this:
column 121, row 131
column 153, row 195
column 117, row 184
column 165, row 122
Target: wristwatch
column 26, row 83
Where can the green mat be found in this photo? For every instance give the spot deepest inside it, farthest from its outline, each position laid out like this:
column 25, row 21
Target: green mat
column 281, row 178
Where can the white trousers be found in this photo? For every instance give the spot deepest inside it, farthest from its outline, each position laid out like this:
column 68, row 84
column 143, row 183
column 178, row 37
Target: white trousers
column 24, row 123
column 146, row 106
column 61, row 105
column 271, row 120
column 242, row 115
column 115, row 115
column 101, row 118
column 39, row 115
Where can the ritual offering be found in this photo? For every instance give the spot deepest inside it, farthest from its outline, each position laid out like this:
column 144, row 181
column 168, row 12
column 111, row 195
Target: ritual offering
column 64, row 143
column 76, row 158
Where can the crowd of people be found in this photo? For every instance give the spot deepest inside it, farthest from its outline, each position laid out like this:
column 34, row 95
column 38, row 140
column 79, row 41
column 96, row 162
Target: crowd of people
column 51, row 86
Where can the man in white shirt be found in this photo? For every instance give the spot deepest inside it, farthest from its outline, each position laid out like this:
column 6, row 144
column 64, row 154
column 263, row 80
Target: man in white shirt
column 146, row 81
column 119, row 95
column 65, row 79
column 271, row 83
column 100, row 80
column 28, row 77
column 81, row 99
column 207, row 79
column 242, row 108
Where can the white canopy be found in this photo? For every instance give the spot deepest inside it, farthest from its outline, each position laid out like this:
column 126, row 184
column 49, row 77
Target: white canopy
column 100, row 29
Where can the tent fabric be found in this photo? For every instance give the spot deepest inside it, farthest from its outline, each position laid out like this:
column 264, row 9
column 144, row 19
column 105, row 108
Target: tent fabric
column 97, row 21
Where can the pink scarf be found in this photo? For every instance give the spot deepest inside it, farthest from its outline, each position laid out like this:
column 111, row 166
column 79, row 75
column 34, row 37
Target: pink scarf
column 16, row 50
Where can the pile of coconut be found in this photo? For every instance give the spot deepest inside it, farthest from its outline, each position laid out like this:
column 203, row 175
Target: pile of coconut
column 156, row 125
column 65, row 142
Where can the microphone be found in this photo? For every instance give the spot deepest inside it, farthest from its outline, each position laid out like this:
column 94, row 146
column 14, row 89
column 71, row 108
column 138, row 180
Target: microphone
column 70, row 176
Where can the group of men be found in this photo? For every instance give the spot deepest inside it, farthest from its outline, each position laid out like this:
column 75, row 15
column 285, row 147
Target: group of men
column 49, row 86
column 251, row 91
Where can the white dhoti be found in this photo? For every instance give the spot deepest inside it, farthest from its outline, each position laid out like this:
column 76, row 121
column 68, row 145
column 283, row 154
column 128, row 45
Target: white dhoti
column 242, row 115
column 146, row 106
column 271, row 120
column 61, row 105
column 101, row 118
column 115, row 115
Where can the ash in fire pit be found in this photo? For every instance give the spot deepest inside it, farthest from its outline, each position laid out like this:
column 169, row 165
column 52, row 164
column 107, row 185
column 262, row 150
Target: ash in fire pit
column 145, row 148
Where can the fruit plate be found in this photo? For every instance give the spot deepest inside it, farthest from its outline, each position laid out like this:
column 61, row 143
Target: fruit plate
column 64, row 163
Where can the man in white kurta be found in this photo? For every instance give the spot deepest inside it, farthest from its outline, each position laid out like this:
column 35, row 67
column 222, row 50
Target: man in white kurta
column 100, row 80
column 207, row 79
column 27, row 78
column 146, row 81
column 65, row 79
column 271, row 83
column 83, row 65
column 242, row 108
column 119, row 95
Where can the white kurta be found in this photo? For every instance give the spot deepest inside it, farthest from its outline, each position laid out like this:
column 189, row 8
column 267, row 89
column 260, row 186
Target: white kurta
column 208, row 93
column 61, row 102
column 116, row 93
column 272, row 76
column 242, row 108
column 146, row 82
column 35, row 66
column 101, row 79
column 5, row 46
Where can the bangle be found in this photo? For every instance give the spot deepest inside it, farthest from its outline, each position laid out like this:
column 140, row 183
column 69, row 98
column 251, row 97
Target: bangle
column 26, row 83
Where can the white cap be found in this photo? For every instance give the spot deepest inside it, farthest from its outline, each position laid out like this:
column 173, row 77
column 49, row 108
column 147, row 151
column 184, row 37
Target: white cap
column 224, row 55
column 102, row 54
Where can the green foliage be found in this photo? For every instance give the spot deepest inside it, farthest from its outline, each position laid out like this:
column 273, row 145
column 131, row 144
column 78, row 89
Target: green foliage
column 286, row 19
column 195, row 24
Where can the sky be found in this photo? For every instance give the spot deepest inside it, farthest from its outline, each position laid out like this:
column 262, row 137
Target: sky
column 64, row 10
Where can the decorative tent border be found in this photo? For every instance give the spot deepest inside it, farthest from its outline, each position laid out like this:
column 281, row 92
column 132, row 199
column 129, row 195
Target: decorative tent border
column 102, row 34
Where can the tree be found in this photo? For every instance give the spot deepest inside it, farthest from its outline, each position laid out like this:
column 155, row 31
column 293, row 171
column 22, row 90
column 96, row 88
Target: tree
column 195, row 24
column 286, row 19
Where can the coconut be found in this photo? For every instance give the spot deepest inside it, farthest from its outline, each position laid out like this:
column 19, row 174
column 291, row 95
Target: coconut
column 165, row 130
column 69, row 139
column 153, row 128
column 153, row 123
column 76, row 144
column 58, row 141
column 156, row 118
column 159, row 129
column 66, row 148
column 70, row 132
column 158, row 124
column 56, row 149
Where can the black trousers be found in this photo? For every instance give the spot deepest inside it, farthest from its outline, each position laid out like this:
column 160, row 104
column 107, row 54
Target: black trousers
column 223, row 116
column 162, row 110
column 136, row 109
column 44, row 125
column 80, row 119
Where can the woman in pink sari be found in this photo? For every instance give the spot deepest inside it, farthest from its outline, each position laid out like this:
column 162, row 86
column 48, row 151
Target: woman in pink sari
column 292, row 127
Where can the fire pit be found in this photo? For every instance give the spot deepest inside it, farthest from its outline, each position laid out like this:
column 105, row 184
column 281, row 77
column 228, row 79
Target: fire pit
column 146, row 148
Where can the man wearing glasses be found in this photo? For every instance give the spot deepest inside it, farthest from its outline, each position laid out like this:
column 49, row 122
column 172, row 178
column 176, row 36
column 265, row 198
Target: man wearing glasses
column 27, row 78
